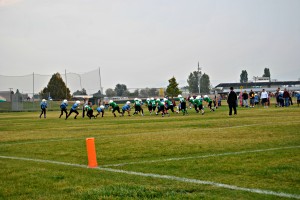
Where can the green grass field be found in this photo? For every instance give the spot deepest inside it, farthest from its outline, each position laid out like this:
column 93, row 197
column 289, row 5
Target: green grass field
column 254, row 155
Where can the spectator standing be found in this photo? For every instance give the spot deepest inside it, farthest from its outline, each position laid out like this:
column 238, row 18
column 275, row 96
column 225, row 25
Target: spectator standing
column 286, row 97
column 245, row 99
column 277, row 97
column 251, row 95
column 232, row 101
column 264, row 98
column 298, row 98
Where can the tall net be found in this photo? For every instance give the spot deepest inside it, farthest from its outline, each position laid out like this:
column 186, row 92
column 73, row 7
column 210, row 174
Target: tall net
column 34, row 83
column 21, row 93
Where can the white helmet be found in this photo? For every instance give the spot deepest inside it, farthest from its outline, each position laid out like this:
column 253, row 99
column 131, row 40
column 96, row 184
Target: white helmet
column 43, row 100
column 191, row 98
column 198, row 97
column 152, row 98
column 179, row 96
column 110, row 101
column 78, row 102
column 135, row 99
column 86, row 106
column 128, row 102
column 148, row 99
column 102, row 106
column 205, row 96
column 65, row 101
column 158, row 99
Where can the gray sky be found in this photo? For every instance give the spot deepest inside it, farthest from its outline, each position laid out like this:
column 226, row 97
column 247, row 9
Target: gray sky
column 143, row 43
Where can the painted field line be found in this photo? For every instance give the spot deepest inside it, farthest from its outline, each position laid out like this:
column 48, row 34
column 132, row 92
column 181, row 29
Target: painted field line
column 166, row 177
column 204, row 156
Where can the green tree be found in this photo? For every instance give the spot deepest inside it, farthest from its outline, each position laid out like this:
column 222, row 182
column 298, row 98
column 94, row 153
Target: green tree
column 56, row 88
column 110, row 92
column 80, row 92
column 244, row 77
column 172, row 89
column 205, row 84
column 193, row 82
column 120, row 89
column 98, row 94
column 267, row 73
column 153, row 92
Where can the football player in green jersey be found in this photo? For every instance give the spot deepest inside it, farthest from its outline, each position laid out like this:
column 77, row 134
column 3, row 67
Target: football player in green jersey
column 138, row 106
column 182, row 105
column 160, row 107
column 209, row 101
column 114, row 107
column 199, row 105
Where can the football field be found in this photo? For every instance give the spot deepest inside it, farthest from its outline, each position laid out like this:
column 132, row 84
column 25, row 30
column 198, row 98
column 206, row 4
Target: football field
column 254, row 155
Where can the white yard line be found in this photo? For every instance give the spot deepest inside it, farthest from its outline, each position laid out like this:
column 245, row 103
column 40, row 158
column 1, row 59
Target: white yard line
column 204, row 156
column 167, row 177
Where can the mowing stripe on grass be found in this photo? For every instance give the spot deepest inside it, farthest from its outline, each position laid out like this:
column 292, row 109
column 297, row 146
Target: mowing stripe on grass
column 130, row 134
column 167, row 177
column 204, row 156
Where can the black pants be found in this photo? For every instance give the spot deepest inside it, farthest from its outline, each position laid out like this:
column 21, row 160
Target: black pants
column 75, row 111
column 43, row 112
column 90, row 114
column 232, row 106
column 116, row 108
column 62, row 112
column 170, row 108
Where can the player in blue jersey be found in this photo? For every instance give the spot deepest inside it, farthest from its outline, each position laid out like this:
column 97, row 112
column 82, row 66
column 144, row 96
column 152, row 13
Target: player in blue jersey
column 43, row 107
column 63, row 108
column 126, row 108
column 100, row 109
column 74, row 109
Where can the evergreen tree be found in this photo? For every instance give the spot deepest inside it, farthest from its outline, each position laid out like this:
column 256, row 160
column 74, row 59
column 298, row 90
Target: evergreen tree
column 80, row 92
column 205, row 84
column 244, row 77
column 172, row 89
column 120, row 89
column 110, row 92
column 267, row 73
column 193, row 82
column 56, row 88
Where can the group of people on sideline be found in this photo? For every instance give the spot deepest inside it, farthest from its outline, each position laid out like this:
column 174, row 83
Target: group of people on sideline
column 283, row 98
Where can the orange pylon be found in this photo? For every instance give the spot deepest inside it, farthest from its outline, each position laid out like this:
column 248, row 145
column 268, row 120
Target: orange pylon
column 91, row 152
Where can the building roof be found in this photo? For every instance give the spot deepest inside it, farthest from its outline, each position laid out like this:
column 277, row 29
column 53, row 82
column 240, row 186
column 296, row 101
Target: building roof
column 258, row 84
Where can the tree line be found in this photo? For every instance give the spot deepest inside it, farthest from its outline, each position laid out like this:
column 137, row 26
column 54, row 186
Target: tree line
column 244, row 75
column 57, row 89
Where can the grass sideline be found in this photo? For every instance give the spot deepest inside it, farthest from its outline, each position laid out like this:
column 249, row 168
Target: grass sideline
column 256, row 153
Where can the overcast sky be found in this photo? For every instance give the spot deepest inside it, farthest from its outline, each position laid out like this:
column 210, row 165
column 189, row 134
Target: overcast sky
column 143, row 43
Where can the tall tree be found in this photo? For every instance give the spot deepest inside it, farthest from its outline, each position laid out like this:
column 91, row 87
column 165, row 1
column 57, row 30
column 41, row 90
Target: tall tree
column 244, row 77
column 267, row 73
column 110, row 92
column 144, row 92
column 98, row 94
column 193, row 82
column 80, row 92
column 153, row 92
column 205, row 84
column 56, row 88
column 172, row 89
column 120, row 89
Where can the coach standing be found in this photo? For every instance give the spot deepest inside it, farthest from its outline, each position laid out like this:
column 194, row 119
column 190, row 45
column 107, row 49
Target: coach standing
column 231, row 100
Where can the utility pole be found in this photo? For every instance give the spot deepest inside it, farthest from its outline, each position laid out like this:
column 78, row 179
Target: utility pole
column 66, row 84
column 199, row 77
